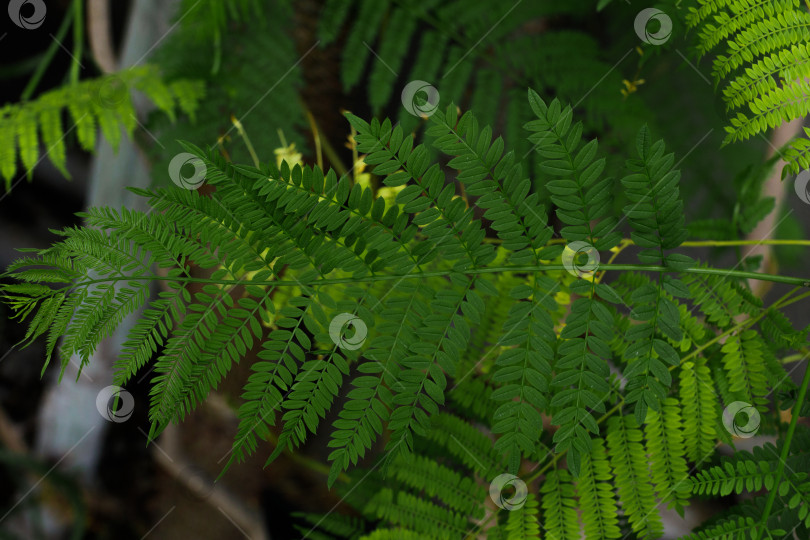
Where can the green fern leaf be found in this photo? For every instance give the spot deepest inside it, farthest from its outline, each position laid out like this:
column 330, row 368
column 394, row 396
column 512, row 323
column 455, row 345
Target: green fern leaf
column 523, row 523
column 665, row 444
column 700, row 406
column 629, row 463
column 596, row 500
column 560, row 517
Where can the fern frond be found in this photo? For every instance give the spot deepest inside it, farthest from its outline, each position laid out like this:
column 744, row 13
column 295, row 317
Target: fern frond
column 476, row 55
column 743, row 360
column 778, row 331
column 595, row 492
column 524, row 523
column 422, row 380
column 418, row 515
column 655, row 213
column 466, row 444
column 764, row 68
column 700, row 406
column 732, row 529
column 733, row 477
column 520, row 221
column 371, row 398
column 313, row 391
column 459, row 493
column 629, row 462
column 168, row 249
column 471, row 392
column 87, row 312
column 764, row 36
column 283, row 352
column 751, row 471
column 523, row 370
column 496, row 181
column 290, row 250
column 472, row 395
column 583, row 203
column 393, row 534
column 797, row 154
column 103, row 102
column 442, row 218
column 665, row 445
column 724, row 24
column 719, row 299
column 559, row 515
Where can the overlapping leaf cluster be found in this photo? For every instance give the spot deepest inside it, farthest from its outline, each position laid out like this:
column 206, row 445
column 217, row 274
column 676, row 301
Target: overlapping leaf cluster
column 480, row 352
column 761, row 69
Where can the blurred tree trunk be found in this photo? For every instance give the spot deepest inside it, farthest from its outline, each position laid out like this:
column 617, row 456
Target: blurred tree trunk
column 70, row 427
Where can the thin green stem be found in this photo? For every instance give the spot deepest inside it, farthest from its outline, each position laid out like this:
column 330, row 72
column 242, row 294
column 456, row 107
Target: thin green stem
column 768, row 242
column 78, row 40
column 323, row 142
column 793, row 358
column 241, row 130
column 780, row 470
column 705, row 243
column 800, row 282
column 28, row 91
column 794, row 300
column 718, row 337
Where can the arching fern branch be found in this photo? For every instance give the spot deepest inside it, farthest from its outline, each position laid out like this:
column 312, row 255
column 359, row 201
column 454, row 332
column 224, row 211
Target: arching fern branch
column 763, row 69
column 104, row 102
